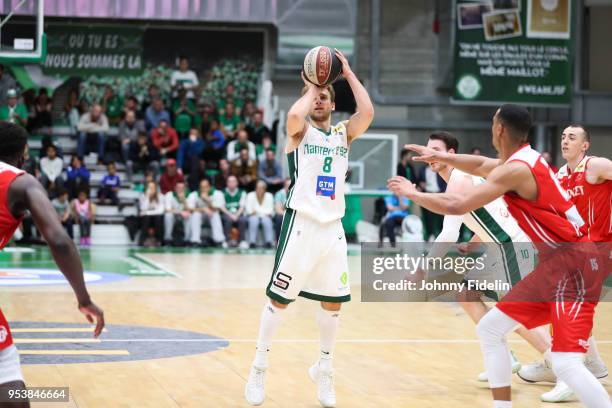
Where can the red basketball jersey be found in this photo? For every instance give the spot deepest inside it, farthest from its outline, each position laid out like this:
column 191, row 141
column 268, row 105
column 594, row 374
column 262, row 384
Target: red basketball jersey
column 551, row 218
column 594, row 201
column 8, row 223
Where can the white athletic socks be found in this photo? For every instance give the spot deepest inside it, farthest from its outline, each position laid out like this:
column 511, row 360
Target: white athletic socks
column 271, row 318
column 328, row 325
column 502, row 404
column 569, row 367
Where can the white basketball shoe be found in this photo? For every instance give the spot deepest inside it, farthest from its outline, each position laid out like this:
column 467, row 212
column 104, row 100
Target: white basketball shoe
column 254, row 391
column 563, row 393
column 325, row 385
column 516, row 366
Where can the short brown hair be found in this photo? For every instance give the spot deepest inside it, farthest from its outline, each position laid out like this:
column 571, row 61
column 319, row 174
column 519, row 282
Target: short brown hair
column 447, row 138
column 587, row 137
column 329, row 87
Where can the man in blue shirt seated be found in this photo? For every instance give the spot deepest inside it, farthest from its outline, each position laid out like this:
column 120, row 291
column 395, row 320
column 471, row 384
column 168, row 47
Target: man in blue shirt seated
column 109, row 186
column 397, row 209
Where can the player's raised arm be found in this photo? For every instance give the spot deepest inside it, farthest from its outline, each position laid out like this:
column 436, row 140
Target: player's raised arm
column 296, row 117
column 601, row 168
column 501, row 180
column 26, row 193
column 362, row 118
column 477, row 165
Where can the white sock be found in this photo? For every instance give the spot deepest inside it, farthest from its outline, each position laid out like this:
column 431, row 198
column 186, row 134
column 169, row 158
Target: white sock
column 570, row 368
column 328, row 322
column 502, row 404
column 271, row 318
column 593, row 353
column 548, row 357
column 492, row 330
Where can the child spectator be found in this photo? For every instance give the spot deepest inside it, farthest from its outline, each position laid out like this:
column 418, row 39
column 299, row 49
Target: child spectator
column 83, row 212
column 77, row 176
column 64, row 212
column 110, row 185
column 165, row 139
column 51, row 167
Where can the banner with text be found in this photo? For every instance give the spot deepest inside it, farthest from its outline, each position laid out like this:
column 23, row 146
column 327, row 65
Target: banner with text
column 513, row 51
column 93, row 50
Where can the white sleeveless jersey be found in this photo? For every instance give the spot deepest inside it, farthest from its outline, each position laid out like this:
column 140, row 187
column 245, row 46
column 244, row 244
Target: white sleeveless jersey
column 493, row 222
column 318, row 168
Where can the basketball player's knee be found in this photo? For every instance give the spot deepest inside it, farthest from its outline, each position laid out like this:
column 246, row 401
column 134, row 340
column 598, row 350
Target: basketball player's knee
column 487, row 331
column 278, row 304
column 332, row 307
column 563, row 363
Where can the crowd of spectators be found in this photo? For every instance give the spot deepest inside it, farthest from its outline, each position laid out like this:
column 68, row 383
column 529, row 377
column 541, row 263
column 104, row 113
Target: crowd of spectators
column 205, row 162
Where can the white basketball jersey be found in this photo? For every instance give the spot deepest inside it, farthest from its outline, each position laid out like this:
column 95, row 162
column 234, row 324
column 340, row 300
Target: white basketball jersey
column 493, row 222
column 318, row 168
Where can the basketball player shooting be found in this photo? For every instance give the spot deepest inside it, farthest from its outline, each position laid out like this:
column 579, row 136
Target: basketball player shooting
column 567, row 280
column 19, row 193
column 311, row 257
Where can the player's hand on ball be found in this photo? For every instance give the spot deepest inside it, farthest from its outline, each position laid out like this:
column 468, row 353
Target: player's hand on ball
column 401, row 186
column 346, row 68
column 93, row 313
column 425, row 154
column 307, row 82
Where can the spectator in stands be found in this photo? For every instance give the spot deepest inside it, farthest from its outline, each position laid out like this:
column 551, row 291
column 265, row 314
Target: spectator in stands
column 51, row 167
column 112, row 105
column 6, row 83
column 265, row 145
column 155, row 114
column 77, row 176
column 548, row 158
column 225, row 171
column 12, row 111
column 30, row 165
column 184, row 115
column 184, row 78
column 242, row 142
column 131, row 105
column 280, row 198
column 151, row 216
column 190, row 150
column 229, row 120
column 142, row 156
column 205, row 204
column 171, row 176
column 270, row 171
column 64, row 212
column 165, row 139
column 152, row 94
column 72, row 112
column 177, row 210
column 247, row 112
column 230, row 96
column 476, row 151
column 260, row 210
column 215, row 142
column 397, row 210
column 431, row 182
column 129, row 128
column 404, row 167
column 208, row 114
column 110, row 186
column 92, row 125
column 43, row 106
column 84, row 214
column 245, row 170
column 232, row 212
column 257, row 130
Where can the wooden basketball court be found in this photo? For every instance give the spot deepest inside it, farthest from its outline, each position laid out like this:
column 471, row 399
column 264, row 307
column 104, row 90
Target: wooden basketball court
column 388, row 355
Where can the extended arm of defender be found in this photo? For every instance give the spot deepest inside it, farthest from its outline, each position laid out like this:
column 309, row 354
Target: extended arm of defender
column 469, row 163
column 499, row 182
column 361, row 120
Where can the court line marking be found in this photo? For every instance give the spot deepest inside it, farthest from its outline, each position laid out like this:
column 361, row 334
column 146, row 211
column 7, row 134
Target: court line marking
column 156, row 265
column 76, row 352
column 53, row 330
column 18, row 340
column 360, row 341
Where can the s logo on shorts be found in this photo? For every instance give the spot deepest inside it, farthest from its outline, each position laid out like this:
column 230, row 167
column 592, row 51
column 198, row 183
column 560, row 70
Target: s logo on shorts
column 281, row 281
